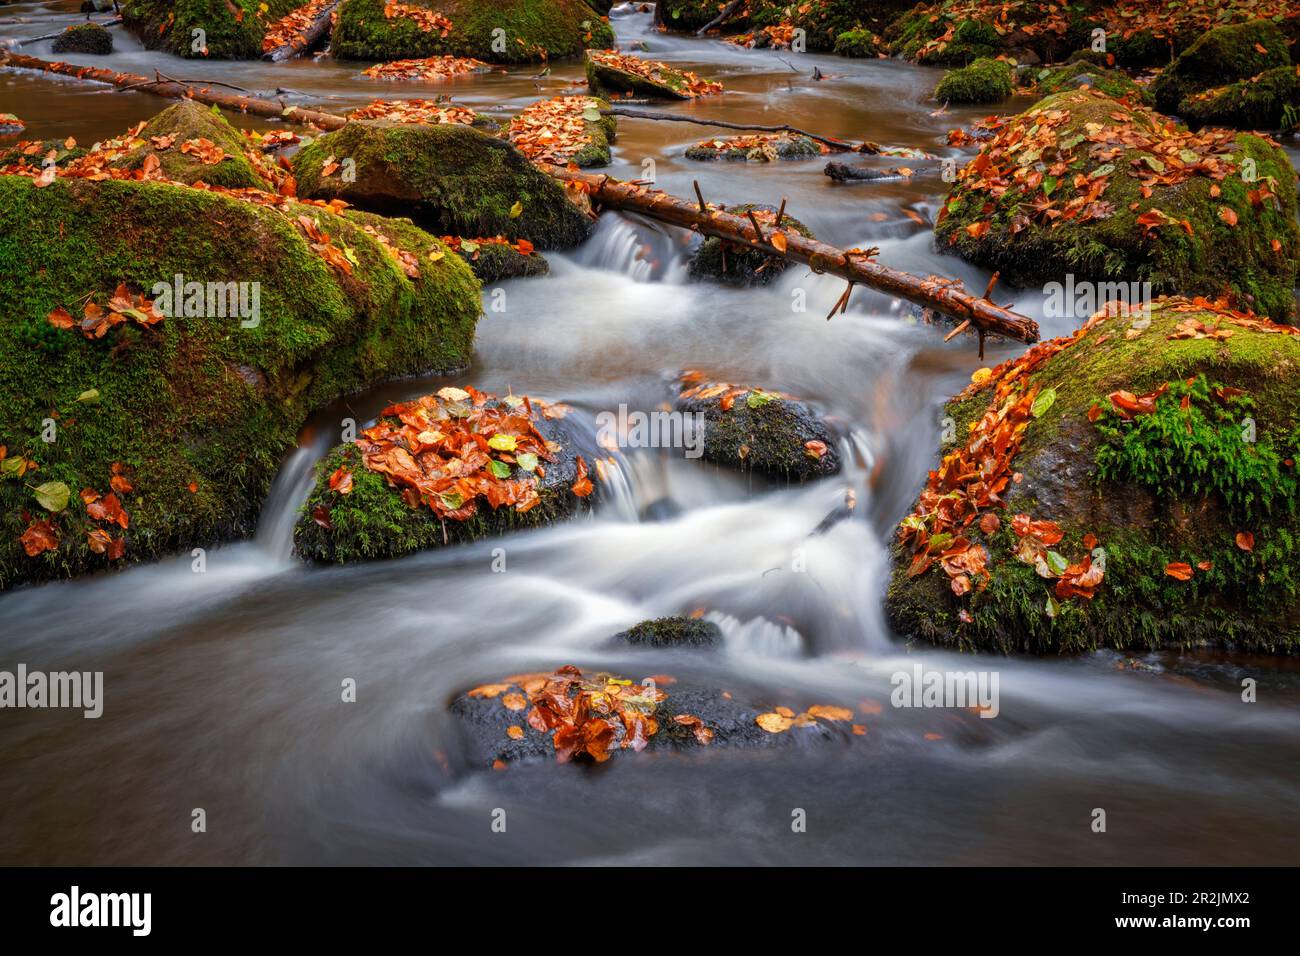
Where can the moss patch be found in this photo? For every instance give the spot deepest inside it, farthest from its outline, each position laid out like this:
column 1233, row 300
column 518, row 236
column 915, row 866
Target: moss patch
column 984, row 81
column 229, row 29
column 1175, row 486
column 84, row 38
column 1221, row 56
column 1079, row 73
column 1270, row 100
column 196, row 402
column 721, row 261
column 185, row 121
column 451, row 179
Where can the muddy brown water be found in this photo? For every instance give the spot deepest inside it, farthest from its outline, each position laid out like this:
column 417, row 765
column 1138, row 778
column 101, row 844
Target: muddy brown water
column 223, row 688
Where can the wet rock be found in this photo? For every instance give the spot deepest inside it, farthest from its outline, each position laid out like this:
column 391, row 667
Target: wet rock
column 1223, row 55
column 722, row 261
column 84, row 38
column 1160, row 503
column 198, row 411
column 753, row 430
column 984, row 81
column 672, row 632
column 189, row 122
column 1267, row 101
column 566, row 129
column 538, row 30
column 1081, row 72
column 1198, row 229
column 449, row 178
column 497, row 261
column 371, row 515
column 755, row 148
column 612, row 74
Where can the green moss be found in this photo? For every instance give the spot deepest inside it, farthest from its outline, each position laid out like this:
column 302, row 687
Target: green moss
column 495, row 261
column 453, row 180
column 915, row 36
column 858, row 42
column 1221, row 56
column 533, row 30
column 197, row 400
column 605, row 80
column 984, row 81
column 721, row 261
column 1260, row 102
column 1151, row 493
column 1214, row 259
column 84, row 38
column 188, row 120
column 1077, row 73
column 687, row 15
column 672, row 632
column 231, row 29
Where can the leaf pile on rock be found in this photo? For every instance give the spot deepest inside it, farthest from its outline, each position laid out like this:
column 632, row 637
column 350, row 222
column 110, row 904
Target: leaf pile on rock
column 123, row 306
column 417, row 112
column 428, row 21
column 781, row 719
column 757, row 147
column 560, row 130
column 682, row 82
column 427, row 68
column 451, row 450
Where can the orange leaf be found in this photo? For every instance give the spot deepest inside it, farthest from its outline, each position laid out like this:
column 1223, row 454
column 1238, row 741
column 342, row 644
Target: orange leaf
column 1246, row 540
column 1179, row 570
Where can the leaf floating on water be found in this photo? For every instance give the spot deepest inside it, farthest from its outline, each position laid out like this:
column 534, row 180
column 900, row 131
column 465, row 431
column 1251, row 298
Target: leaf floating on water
column 774, row 723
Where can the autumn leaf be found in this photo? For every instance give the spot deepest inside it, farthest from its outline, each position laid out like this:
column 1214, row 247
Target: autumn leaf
column 774, row 723
column 60, row 318
column 1246, row 540
column 1228, row 215
column 39, row 537
column 341, row 480
column 1179, row 570
column 778, row 241
column 53, row 496
column 582, row 484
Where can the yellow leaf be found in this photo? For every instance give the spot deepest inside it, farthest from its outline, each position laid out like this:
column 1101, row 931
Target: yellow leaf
column 773, row 723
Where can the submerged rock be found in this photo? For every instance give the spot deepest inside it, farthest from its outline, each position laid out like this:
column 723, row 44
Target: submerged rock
column 672, row 632
column 1131, row 486
column 1221, row 56
column 733, row 264
column 753, row 430
column 761, row 148
column 984, row 81
column 186, row 138
column 185, row 420
column 1108, row 191
column 615, row 73
column 444, row 469
column 84, row 38
column 534, row 29
column 449, row 178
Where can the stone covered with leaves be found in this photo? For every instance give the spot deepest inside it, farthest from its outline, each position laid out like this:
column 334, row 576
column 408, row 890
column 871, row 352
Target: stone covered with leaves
column 1132, row 486
column 1224, row 55
column 195, row 143
column 450, row 178
column 1108, row 191
column 613, row 74
column 718, row 260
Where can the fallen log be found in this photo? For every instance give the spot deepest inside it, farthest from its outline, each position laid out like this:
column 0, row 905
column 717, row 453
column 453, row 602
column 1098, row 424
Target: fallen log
column 838, row 145
column 940, row 295
column 306, row 39
column 179, row 89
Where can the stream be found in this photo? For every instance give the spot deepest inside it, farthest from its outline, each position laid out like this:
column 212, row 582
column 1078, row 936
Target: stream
column 222, row 688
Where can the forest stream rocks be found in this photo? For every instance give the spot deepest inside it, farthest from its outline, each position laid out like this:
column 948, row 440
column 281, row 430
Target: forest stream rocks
column 1133, row 485
column 84, row 38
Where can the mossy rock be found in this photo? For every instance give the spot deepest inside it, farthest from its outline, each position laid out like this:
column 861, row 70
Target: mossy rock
column 687, row 16
column 84, row 38
column 599, row 133
column 450, row 178
column 39, row 149
column 1266, row 101
column 858, row 43
column 496, row 261
column 231, row 29
column 1079, row 73
column 825, row 21
column 916, row 37
column 1176, row 486
column 672, row 632
column 373, row 520
column 188, row 120
column 1221, row 56
column 957, row 32
column 1215, row 258
column 199, row 410
column 604, row 79
column 720, row 261
column 743, row 148
column 984, row 81
column 534, row 30
column 765, row 433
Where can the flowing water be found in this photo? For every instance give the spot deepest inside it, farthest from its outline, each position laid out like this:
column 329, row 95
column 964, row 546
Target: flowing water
column 223, row 688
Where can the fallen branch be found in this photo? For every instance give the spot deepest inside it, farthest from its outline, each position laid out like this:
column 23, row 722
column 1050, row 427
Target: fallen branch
column 51, row 36
column 180, row 89
column 940, row 295
column 307, row 39
column 721, row 18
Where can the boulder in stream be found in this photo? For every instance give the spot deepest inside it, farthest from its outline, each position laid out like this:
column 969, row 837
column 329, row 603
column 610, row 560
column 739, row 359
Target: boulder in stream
column 755, row 430
column 450, row 178
column 203, row 29
column 611, row 73
column 672, row 632
column 84, row 38
column 1270, row 100
column 1108, row 191
column 135, row 422
column 722, row 261
column 1081, row 72
column 443, row 469
column 535, row 30
column 565, row 129
column 1133, row 485
column 193, row 143
column 1221, row 56
column 755, row 148
column 984, row 81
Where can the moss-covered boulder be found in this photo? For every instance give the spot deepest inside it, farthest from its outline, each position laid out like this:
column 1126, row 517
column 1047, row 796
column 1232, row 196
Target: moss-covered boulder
column 859, row 43
column 589, row 717
column 1270, row 100
column 449, row 178
column 610, row 74
column 717, row 260
column 186, row 420
column 1079, row 73
column 1221, row 56
column 983, row 81
column 205, row 29
column 687, row 16
column 671, row 632
column 824, row 22
column 1133, row 486
column 1107, row 191
column 193, row 143
column 443, row 469
column 565, row 129
column 84, row 38
column 534, row 29
column 755, row 430
column 496, row 259
column 757, row 148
